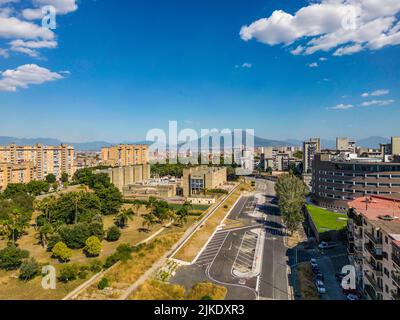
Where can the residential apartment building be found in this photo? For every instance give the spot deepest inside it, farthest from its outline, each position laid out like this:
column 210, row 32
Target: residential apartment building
column 15, row 173
column 125, row 155
column 374, row 246
column 45, row 159
column 197, row 179
column 310, row 149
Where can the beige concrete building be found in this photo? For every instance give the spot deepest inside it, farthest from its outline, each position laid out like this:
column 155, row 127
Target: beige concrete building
column 310, row 149
column 15, row 173
column 127, row 175
column 125, row 155
column 197, row 180
column 45, row 159
column 374, row 246
column 395, row 145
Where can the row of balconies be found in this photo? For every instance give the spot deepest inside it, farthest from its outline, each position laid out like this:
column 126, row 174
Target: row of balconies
column 375, row 240
column 373, row 251
column 374, row 282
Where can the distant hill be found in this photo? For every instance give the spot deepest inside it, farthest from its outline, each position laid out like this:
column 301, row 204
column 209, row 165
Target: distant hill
column 370, row 142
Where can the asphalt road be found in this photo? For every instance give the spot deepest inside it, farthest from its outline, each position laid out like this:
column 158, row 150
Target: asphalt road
column 217, row 260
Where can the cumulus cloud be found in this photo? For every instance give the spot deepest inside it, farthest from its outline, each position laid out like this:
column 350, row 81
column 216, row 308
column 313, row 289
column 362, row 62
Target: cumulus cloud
column 377, row 103
column 31, row 47
column 346, row 26
column 11, row 27
column 376, row 93
column 62, row 7
column 342, row 107
column 25, row 75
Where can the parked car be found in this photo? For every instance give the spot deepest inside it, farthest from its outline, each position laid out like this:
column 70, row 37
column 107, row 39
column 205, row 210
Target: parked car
column 313, row 262
column 319, row 277
column 320, row 287
column 339, row 276
column 352, row 297
column 326, row 245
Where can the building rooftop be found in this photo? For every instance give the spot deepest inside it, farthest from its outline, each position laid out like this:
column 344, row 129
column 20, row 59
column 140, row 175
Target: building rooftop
column 374, row 207
column 382, row 212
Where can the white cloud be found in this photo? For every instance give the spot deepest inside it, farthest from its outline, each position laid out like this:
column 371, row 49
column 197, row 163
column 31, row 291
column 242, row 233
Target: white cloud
column 3, row 53
column 342, row 107
column 62, row 7
column 30, row 47
column 314, row 65
column 246, row 65
column 24, row 76
column 377, row 103
column 323, row 59
column 376, row 93
column 11, row 27
column 348, row 26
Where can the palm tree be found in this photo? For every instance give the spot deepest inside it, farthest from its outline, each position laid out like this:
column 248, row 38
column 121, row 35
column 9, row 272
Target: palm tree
column 123, row 217
column 44, row 232
column 76, row 198
column 148, row 220
column 46, row 206
column 183, row 213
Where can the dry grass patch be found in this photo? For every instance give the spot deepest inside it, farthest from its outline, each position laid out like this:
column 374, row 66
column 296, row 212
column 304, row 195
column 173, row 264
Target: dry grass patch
column 207, row 291
column 158, row 290
column 190, row 249
column 306, row 282
column 295, row 239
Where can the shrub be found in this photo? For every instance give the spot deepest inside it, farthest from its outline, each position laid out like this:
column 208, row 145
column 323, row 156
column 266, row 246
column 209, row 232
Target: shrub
column 29, row 270
column 11, row 257
column 113, row 234
column 111, row 260
column 103, row 284
column 93, row 246
column 53, row 240
column 124, row 251
column 68, row 272
column 62, row 252
column 95, row 266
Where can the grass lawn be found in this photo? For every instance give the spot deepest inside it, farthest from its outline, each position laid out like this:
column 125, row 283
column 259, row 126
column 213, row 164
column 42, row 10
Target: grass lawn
column 190, row 249
column 326, row 220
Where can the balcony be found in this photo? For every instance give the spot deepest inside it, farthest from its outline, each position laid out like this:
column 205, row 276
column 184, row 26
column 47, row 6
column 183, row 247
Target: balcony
column 377, row 254
column 373, row 282
column 375, row 240
column 396, row 259
column 396, row 278
column 377, row 270
column 395, row 294
column 370, row 292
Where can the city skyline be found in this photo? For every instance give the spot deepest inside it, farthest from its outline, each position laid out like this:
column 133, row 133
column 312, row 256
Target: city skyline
column 219, row 72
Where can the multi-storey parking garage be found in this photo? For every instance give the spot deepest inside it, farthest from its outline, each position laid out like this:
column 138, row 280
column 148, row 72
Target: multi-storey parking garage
column 337, row 182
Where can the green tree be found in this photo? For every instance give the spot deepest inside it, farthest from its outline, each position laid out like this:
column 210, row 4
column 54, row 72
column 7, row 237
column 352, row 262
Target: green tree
column 292, row 193
column 148, row 221
column 183, row 213
column 44, row 233
column 113, row 234
column 122, row 218
column 93, row 246
column 51, row 178
column 13, row 189
column 29, row 270
column 110, row 199
column 64, row 177
column 36, row 188
column 47, row 205
column 11, row 257
column 103, row 284
column 68, row 272
column 62, row 252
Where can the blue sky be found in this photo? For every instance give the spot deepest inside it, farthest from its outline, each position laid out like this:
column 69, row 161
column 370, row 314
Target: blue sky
column 121, row 68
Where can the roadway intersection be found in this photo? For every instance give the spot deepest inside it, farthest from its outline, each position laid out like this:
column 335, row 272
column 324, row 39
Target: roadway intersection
column 250, row 261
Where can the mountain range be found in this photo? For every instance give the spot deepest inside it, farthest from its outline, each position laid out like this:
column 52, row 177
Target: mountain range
column 370, row 142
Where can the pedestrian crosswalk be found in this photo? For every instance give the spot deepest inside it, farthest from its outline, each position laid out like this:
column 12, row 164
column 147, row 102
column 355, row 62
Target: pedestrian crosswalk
column 212, row 249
